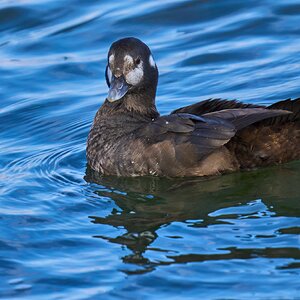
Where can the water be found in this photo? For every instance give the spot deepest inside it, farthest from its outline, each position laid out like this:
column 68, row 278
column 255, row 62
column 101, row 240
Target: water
column 66, row 234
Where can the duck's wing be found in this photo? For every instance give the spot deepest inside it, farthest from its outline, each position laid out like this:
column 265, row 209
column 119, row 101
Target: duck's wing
column 243, row 117
column 209, row 106
column 212, row 105
column 205, row 133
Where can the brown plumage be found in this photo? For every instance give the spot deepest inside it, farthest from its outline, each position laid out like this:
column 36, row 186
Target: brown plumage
column 129, row 138
column 271, row 141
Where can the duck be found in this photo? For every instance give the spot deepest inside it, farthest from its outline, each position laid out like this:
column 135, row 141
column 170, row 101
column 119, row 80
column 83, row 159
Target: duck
column 129, row 137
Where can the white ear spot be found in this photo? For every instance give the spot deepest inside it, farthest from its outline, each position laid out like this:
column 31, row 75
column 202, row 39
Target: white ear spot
column 111, row 59
column 128, row 59
column 135, row 76
column 151, row 61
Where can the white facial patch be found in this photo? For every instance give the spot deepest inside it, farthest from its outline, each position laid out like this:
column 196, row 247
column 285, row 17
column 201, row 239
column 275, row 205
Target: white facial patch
column 128, row 60
column 151, row 61
column 135, row 76
column 111, row 59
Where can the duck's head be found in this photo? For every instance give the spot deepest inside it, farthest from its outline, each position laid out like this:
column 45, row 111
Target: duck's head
column 131, row 69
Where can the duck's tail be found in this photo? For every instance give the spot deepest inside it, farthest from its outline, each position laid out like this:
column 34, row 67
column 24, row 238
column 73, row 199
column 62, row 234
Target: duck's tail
column 270, row 141
column 290, row 105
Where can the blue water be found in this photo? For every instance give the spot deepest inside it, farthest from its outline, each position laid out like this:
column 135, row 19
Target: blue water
column 68, row 234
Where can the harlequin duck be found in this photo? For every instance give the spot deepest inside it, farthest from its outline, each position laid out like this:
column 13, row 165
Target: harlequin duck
column 130, row 138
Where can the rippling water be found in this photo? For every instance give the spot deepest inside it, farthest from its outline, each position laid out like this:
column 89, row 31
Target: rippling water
column 66, row 234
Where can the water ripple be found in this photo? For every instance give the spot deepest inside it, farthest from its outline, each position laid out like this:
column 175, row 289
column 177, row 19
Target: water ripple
column 69, row 233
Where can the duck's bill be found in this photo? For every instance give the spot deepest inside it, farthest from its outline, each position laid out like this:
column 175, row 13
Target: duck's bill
column 118, row 89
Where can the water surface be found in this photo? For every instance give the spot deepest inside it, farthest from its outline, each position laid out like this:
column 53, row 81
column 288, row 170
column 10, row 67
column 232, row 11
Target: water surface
column 67, row 233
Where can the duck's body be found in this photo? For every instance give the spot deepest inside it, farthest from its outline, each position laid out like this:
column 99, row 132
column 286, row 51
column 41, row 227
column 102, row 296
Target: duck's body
column 129, row 138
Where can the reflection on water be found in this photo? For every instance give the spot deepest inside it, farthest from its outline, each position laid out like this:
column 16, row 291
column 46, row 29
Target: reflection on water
column 144, row 205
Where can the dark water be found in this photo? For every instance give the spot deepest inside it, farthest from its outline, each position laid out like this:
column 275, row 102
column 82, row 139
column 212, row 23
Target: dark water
column 66, row 234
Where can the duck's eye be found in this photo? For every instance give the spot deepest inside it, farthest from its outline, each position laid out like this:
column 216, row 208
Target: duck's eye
column 137, row 61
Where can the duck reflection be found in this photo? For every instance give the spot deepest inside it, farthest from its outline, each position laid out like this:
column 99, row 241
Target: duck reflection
column 146, row 204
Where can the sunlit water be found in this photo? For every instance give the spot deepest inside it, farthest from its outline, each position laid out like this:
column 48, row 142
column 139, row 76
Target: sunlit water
column 68, row 234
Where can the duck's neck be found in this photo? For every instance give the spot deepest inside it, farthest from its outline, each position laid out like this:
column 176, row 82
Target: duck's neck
column 136, row 105
column 142, row 104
